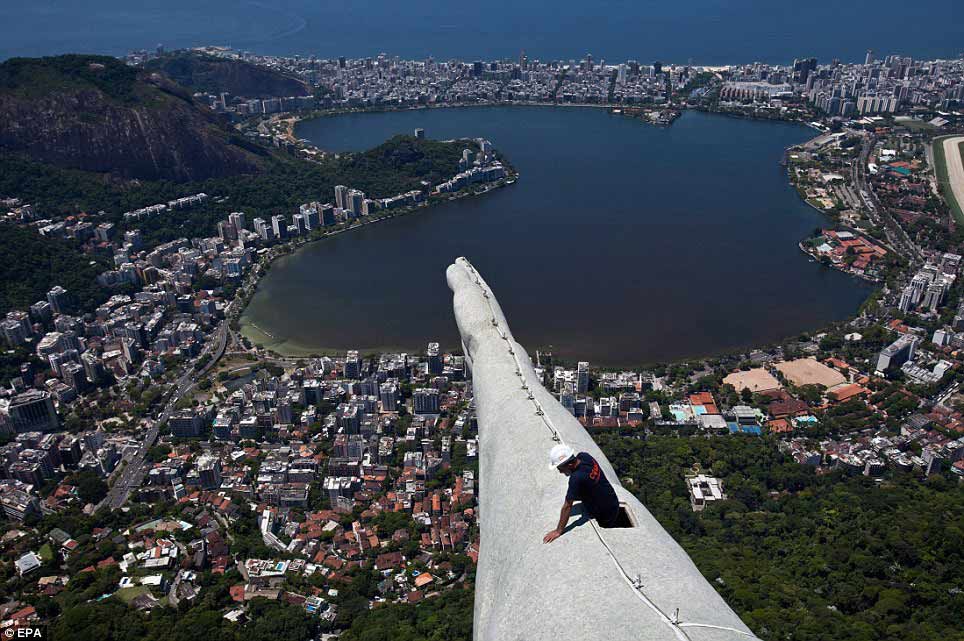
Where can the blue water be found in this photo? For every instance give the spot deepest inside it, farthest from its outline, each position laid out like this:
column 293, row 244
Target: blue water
column 621, row 243
column 705, row 31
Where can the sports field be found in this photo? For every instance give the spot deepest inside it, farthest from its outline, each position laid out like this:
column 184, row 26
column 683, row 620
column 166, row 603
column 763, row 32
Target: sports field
column 949, row 165
column 755, row 380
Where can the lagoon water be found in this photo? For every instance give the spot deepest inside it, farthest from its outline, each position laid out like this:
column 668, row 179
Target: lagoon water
column 621, row 243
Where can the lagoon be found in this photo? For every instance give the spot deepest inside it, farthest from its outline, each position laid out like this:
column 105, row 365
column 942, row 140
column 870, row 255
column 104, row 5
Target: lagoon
column 621, row 243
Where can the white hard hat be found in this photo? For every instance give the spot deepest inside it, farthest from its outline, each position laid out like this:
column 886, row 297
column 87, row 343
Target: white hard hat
column 560, row 454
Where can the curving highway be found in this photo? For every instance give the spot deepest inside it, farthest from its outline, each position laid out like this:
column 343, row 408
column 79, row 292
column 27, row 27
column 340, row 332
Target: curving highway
column 896, row 235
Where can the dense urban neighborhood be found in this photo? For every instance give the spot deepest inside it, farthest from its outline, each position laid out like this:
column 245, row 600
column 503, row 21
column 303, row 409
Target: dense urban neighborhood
column 163, row 472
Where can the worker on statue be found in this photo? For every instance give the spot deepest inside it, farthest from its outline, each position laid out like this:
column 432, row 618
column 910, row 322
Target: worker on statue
column 588, row 484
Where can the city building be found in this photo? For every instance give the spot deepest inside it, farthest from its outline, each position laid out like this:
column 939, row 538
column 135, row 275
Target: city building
column 435, row 366
column 209, row 471
column 704, row 490
column 33, row 411
column 58, row 299
column 897, row 353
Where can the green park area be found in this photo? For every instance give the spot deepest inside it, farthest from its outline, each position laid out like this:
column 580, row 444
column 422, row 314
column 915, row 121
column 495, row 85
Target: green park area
column 129, row 594
column 46, row 553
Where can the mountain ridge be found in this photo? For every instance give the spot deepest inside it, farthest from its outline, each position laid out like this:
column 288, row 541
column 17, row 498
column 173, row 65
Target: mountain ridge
column 97, row 114
column 211, row 74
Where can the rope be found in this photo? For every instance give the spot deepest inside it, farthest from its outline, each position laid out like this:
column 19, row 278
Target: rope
column 637, row 587
column 718, row 627
column 635, row 584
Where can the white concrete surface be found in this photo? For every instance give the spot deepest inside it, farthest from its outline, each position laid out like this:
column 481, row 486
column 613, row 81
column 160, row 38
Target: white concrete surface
column 582, row 584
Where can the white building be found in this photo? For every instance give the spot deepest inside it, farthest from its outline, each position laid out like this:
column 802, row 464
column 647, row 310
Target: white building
column 704, row 489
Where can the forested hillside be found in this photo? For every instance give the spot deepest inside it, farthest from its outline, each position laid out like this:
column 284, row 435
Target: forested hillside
column 32, row 264
column 96, row 113
column 398, row 165
column 200, row 72
column 803, row 557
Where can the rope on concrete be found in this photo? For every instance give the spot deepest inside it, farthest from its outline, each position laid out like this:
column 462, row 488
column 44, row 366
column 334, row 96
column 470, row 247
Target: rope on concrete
column 637, row 587
column 674, row 621
column 683, row 624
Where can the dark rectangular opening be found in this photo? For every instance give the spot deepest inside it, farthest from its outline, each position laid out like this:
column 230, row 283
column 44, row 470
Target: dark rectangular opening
column 624, row 518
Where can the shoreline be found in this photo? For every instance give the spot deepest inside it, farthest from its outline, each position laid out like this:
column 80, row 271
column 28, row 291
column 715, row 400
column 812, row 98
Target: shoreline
column 816, row 259
column 292, row 120
column 304, row 351
column 288, row 349
column 834, row 223
column 291, row 123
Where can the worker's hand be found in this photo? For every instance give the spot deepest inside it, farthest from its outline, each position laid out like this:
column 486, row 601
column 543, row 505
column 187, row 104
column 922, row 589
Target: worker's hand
column 551, row 536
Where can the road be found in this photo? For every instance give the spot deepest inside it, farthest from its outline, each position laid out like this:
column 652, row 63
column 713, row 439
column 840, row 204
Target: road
column 136, row 467
column 133, row 474
column 878, row 214
column 946, row 395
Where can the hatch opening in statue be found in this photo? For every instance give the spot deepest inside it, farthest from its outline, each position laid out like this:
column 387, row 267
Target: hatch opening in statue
column 625, row 518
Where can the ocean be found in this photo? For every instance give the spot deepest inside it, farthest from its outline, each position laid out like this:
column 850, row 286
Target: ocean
column 702, row 31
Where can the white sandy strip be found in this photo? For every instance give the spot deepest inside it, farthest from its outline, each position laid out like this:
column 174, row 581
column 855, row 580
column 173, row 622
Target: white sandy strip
column 955, row 167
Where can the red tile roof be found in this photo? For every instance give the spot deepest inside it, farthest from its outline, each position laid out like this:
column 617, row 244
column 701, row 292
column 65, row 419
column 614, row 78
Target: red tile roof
column 779, row 426
column 24, row 614
column 847, row 392
column 788, row 407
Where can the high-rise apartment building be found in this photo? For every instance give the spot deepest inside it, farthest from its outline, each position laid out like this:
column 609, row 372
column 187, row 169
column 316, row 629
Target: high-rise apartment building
column 340, row 193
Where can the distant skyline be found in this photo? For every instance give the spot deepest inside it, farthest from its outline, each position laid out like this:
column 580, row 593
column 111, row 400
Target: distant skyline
column 711, row 32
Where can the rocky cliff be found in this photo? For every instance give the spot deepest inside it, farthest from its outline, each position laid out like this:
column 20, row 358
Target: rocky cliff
column 98, row 114
column 199, row 72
